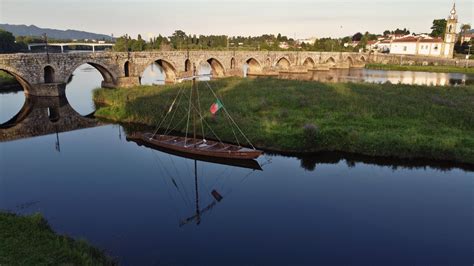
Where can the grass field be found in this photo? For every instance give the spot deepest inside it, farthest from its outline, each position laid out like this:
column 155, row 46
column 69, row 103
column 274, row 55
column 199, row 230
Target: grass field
column 28, row 240
column 404, row 121
column 439, row 69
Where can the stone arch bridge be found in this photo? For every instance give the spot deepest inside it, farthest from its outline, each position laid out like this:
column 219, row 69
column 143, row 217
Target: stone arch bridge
column 47, row 75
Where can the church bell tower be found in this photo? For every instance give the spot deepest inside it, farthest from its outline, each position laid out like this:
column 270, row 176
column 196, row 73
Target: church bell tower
column 450, row 34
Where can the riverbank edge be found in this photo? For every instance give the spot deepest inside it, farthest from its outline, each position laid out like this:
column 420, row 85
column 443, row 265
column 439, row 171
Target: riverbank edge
column 418, row 68
column 383, row 148
column 29, row 240
column 391, row 161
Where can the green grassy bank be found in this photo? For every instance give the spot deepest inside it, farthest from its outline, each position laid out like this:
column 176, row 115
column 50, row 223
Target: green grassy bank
column 6, row 78
column 440, row 69
column 28, row 240
column 302, row 116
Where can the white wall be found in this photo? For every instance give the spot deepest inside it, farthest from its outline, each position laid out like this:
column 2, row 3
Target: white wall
column 403, row 48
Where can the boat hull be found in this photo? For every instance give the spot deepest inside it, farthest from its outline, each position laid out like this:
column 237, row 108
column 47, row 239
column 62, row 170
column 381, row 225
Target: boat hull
column 197, row 146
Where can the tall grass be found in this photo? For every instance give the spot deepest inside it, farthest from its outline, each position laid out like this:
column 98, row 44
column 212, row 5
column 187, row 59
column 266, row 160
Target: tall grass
column 28, row 240
column 405, row 121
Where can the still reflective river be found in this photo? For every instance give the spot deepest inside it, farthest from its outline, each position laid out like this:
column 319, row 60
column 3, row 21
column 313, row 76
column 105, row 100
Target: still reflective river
column 141, row 205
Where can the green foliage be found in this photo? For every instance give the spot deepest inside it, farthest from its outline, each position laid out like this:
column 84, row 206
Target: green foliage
column 7, row 42
column 28, row 240
column 405, row 121
column 439, row 28
column 438, row 69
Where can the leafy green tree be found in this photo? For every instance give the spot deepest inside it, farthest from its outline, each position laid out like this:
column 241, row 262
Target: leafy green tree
column 122, row 44
column 138, row 44
column 439, row 27
column 7, row 42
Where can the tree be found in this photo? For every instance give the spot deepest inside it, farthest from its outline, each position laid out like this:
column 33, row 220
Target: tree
column 7, row 42
column 357, row 37
column 122, row 44
column 178, row 39
column 439, row 27
column 464, row 29
column 386, row 33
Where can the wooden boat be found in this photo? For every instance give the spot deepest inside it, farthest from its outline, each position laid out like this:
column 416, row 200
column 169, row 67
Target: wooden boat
column 193, row 145
column 243, row 163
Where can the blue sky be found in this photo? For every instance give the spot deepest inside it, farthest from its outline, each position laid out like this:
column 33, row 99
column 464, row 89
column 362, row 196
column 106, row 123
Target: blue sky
column 300, row 18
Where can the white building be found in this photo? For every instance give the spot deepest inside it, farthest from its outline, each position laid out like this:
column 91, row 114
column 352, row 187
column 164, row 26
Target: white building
column 424, row 45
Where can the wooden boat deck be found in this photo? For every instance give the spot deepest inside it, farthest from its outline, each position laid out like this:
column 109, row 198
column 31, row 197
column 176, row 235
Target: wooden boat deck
column 199, row 146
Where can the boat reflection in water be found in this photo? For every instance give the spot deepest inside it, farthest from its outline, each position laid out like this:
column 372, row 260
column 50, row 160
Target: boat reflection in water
column 216, row 195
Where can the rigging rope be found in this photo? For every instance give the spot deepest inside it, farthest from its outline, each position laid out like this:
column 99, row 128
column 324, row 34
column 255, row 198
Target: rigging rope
column 169, row 110
column 225, row 109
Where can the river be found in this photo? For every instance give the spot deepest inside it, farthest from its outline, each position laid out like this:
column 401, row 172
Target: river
column 133, row 202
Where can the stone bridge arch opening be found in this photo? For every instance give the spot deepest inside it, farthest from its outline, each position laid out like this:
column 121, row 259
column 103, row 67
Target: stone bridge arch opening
column 309, row 63
column 187, row 65
column 252, row 67
column 158, row 72
column 126, row 69
column 18, row 84
column 48, row 74
column 283, row 63
column 11, row 97
column 232, row 63
column 216, row 67
column 350, row 61
column 331, row 62
column 85, row 77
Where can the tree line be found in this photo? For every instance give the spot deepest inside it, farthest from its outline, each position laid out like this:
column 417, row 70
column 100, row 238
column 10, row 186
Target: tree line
column 179, row 40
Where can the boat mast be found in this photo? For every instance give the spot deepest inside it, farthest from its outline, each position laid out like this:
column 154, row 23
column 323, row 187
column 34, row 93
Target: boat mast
column 193, row 95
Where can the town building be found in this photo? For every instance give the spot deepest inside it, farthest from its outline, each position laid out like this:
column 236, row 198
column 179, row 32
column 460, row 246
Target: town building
column 423, row 44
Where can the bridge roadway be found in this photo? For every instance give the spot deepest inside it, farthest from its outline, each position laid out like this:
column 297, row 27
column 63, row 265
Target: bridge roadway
column 47, row 75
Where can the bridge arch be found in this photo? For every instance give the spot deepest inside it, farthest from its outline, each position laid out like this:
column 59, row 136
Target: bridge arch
column 126, row 69
column 349, row 60
column 107, row 75
column 168, row 68
column 25, row 84
column 232, row 63
column 253, row 66
column 309, row 62
column 362, row 58
column 283, row 63
column 188, row 65
column 331, row 61
column 48, row 74
column 217, row 67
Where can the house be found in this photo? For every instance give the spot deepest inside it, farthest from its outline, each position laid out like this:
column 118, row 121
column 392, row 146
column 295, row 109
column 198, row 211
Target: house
column 424, row 44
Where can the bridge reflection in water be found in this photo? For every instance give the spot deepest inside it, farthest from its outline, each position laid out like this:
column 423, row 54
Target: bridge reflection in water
column 43, row 116
column 383, row 76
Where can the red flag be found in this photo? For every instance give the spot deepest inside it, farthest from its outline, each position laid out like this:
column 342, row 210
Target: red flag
column 215, row 107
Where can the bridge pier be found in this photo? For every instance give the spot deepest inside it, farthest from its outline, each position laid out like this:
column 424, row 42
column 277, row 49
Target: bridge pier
column 47, row 89
column 123, row 82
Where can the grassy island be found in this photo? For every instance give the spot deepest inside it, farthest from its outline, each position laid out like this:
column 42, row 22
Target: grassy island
column 28, row 240
column 438, row 69
column 404, row 121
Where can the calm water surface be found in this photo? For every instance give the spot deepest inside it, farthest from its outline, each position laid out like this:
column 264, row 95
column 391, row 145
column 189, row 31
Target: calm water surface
column 92, row 183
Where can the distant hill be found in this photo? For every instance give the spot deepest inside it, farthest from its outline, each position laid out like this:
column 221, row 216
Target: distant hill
column 32, row 30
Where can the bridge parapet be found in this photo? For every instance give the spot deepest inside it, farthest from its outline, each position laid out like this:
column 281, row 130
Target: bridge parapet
column 46, row 75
